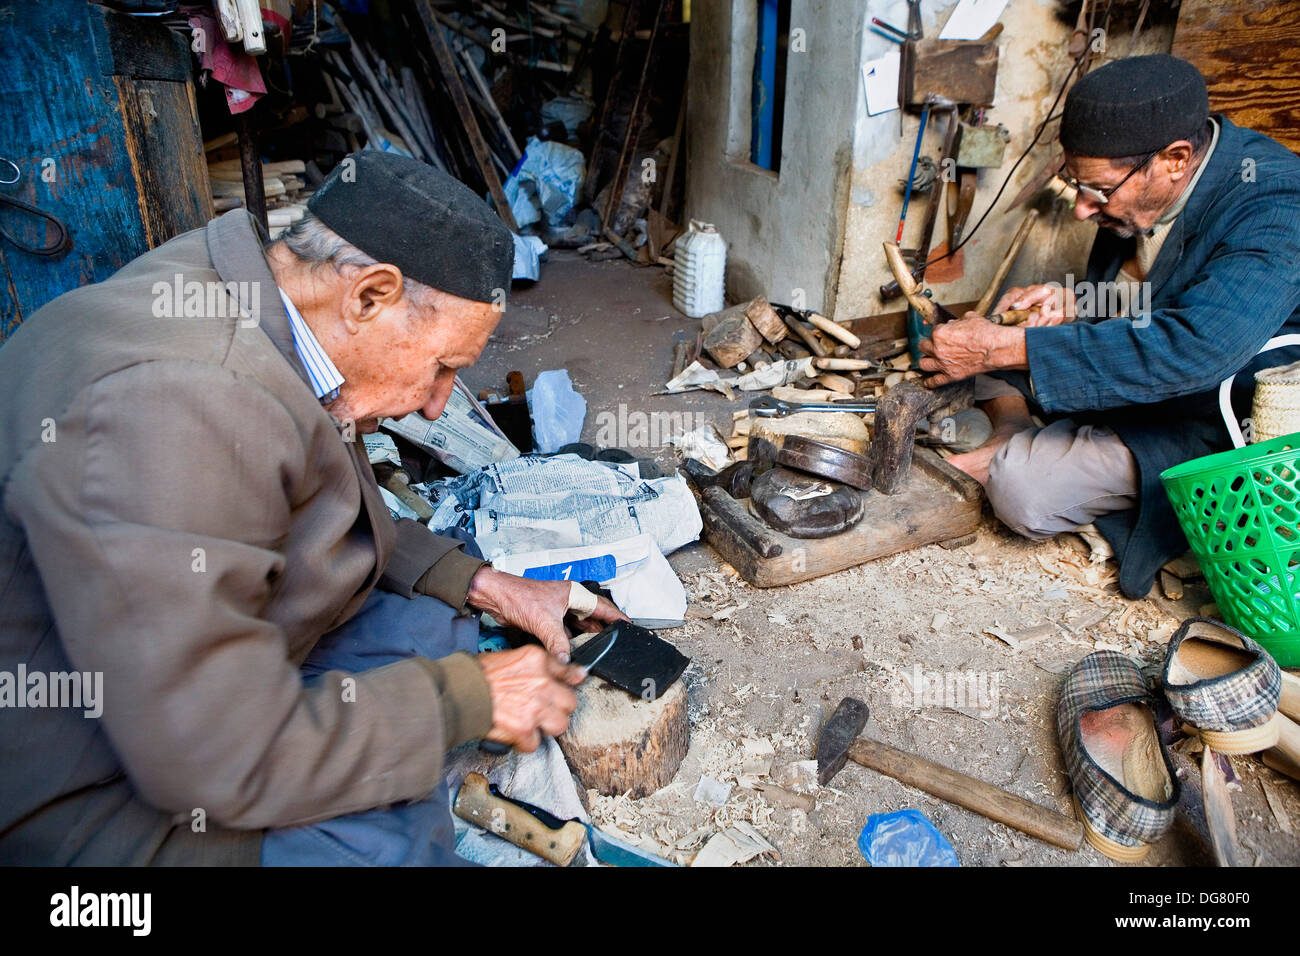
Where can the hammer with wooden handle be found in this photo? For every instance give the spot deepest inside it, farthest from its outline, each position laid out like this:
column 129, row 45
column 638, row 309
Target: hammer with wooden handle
column 839, row 742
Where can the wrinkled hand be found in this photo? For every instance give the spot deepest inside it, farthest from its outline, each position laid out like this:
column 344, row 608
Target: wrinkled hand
column 531, row 695
column 537, row 607
column 1056, row 303
column 968, row 346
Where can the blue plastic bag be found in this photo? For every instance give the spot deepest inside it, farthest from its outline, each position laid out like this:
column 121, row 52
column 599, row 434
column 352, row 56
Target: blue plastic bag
column 904, row 838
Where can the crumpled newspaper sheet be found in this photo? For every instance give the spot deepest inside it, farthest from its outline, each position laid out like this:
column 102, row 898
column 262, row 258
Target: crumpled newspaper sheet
column 536, row 503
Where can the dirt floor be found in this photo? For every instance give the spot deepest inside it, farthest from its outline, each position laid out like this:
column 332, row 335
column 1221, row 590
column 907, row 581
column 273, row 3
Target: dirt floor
column 769, row 666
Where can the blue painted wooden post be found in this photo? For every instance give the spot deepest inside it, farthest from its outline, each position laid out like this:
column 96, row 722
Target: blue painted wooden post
column 763, row 104
column 99, row 118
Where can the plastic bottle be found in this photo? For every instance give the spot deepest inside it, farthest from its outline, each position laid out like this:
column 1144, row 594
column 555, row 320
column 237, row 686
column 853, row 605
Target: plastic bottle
column 698, row 270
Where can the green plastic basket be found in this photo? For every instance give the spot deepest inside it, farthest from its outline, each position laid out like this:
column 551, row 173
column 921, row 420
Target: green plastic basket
column 1240, row 510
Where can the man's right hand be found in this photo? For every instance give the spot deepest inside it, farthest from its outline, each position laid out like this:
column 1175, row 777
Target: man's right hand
column 530, row 695
column 1055, row 302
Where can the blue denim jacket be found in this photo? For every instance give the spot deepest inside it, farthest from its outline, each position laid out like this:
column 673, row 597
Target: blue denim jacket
column 1227, row 279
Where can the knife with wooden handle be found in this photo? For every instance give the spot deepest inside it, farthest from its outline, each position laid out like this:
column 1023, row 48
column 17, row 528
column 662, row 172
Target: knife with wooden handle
column 534, row 829
column 478, row 803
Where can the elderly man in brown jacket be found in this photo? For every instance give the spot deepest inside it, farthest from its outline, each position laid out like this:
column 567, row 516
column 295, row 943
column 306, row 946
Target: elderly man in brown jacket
column 192, row 534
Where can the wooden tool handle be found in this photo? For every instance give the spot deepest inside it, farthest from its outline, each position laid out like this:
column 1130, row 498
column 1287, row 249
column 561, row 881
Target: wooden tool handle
column 986, row 300
column 1288, row 738
column 1012, row 316
column 808, row 337
column 833, row 330
column 983, row 798
column 844, row 364
column 478, row 805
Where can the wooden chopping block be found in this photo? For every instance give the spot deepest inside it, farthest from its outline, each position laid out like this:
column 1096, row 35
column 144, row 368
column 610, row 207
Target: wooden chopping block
column 618, row 743
column 732, row 340
column 841, row 429
column 764, row 318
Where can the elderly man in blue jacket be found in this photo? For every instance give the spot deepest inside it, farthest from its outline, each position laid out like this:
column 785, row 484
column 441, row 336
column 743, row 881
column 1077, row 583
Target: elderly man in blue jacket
column 1195, row 268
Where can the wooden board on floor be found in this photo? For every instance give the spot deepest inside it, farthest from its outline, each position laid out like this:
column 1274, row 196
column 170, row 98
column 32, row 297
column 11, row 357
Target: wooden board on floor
column 1249, row 52
column 939, row 503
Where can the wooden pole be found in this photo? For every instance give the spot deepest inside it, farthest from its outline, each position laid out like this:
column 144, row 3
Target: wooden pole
column 450, row 76
column 251, row 166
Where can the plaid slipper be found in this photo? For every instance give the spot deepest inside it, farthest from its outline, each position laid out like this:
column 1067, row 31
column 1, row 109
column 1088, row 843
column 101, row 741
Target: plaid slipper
column 1223, row 684
column 1125, row 788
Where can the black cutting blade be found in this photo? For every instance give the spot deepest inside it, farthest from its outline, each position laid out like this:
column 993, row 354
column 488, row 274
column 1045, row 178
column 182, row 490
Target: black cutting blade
column 632, row 658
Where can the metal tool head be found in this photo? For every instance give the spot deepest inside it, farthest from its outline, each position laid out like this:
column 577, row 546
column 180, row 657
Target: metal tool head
column 765, row 406
column 615, row 852
column 632, row 658
column 840, row 731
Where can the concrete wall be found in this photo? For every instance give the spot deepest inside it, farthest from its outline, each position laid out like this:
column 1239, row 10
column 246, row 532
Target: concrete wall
column 783, row 231
column 818, row 226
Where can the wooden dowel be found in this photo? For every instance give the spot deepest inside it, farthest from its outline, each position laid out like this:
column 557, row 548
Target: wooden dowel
column 837, row 332
column 986, row 300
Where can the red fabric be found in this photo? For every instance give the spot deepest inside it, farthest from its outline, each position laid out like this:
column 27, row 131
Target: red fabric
column 237, row 72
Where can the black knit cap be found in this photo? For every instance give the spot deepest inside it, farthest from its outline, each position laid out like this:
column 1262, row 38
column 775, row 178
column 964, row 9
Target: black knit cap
column 1133, row 106
column 411, row 215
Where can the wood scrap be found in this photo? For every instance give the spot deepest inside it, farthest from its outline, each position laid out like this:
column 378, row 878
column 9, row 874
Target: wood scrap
column 764, row 318
column 732, row 340
column 834, row 330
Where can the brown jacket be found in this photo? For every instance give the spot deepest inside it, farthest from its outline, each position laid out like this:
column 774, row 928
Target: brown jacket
column 181, row 515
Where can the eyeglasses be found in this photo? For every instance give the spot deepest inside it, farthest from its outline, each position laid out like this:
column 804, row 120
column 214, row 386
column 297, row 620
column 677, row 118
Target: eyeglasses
column 1100, row 196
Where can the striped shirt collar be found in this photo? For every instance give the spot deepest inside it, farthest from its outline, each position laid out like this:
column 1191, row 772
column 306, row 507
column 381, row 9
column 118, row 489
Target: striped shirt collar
column 321, row 372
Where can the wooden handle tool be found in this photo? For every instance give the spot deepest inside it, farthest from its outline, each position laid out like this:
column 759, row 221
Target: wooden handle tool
column 983, row 798
column 840, row 741
column 986, row 300
column 477, row 804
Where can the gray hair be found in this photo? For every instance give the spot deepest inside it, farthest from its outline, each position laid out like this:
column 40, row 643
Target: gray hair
column 316, row 244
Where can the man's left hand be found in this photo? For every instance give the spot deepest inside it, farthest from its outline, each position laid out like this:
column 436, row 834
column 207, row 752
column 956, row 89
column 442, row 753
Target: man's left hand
column 537, row 607
column 970, row 345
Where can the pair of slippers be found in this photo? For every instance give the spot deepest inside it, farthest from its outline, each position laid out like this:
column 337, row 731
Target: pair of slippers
column 1219, row 682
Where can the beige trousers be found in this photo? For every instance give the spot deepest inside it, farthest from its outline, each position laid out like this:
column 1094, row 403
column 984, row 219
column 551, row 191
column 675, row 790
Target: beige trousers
column 1061, row 477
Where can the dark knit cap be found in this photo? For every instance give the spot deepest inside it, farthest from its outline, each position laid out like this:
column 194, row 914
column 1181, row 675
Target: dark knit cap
column 411, row 215
column 1134, row 106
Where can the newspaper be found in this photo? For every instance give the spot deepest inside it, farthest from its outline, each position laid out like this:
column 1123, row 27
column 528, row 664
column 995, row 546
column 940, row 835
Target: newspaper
column 464, row 437
column 381, row 448
column 638, row 576
column 535, row 503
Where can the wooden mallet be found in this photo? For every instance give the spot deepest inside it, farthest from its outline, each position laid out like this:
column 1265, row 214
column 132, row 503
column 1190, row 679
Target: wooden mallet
column 840, row 742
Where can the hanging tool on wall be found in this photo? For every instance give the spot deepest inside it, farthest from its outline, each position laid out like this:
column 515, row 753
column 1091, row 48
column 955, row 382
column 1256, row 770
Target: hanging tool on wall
column 977, row 147
column 918, row 256
column 911, row 174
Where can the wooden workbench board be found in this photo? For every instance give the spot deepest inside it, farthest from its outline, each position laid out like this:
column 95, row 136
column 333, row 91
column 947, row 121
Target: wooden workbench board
column 939, row 503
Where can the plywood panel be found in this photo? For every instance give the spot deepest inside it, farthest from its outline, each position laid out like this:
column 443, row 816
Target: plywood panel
column 1249, row 51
